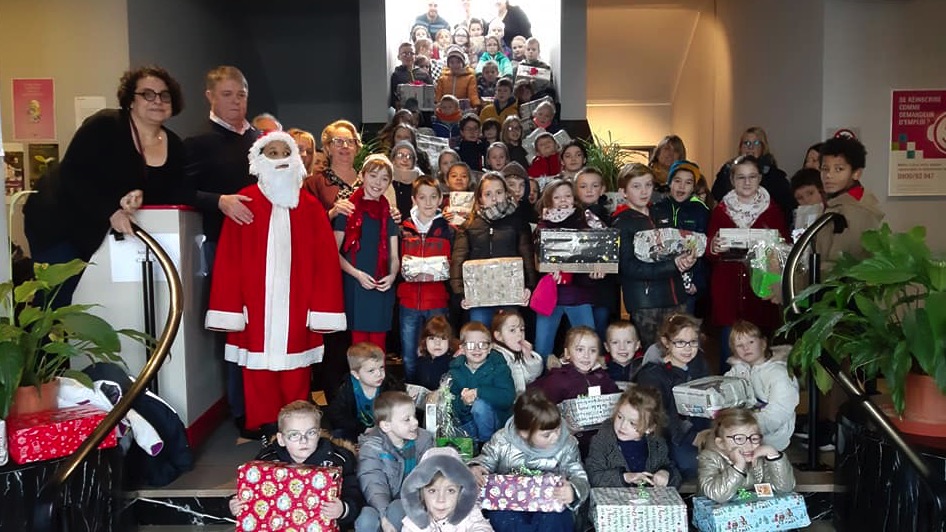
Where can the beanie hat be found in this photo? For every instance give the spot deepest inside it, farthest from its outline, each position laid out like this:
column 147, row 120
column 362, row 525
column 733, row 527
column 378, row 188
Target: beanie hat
column 515, row 169
column 689, row 166
column 456, row 51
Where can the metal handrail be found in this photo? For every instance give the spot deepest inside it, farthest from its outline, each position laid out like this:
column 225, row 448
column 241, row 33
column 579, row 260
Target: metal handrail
column 937, row 486
column 45, row 514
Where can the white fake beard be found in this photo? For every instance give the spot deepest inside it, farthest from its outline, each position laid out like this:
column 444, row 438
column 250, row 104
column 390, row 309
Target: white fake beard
column 280, row 185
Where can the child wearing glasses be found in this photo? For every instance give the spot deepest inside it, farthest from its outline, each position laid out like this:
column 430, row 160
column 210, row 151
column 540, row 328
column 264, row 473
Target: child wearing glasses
column 681, row 362
column 775, row 388
column 733, row 457
column 404, row 160
column 482, row 384
column 300, row 440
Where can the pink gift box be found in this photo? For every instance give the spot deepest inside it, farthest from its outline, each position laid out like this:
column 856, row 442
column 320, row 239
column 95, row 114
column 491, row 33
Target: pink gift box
column 54, row 433
column 286, row 496
column 519, row 493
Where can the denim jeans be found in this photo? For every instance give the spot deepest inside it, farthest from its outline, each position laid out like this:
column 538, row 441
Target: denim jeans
column 684, row 456
column 547, row 326
column 602, row 316
column 369, row 520
column 509, row 521
column 412, row 323
column 484, row 423
column 484, row 315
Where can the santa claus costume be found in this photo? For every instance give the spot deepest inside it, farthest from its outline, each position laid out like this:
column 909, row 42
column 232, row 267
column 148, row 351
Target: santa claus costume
column 276, row 285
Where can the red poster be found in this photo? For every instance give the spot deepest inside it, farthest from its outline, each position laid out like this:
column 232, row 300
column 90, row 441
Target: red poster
column 34, row 109
column 918, row 143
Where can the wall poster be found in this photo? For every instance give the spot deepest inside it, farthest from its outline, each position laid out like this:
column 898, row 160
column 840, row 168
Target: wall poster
column 918, row 143
column 34, row 109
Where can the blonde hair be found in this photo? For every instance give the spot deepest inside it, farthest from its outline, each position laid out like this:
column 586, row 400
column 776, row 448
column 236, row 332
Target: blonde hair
column 362, row 352
column 733, row 417
column 621, row 325
column 328, row 133
column 646, row 400
column 299, row 408
column 575, row 334
column 377, row 161
column 746, row 328
column 473, row 326
column 386, row 402
column 297, row 134
column 224, row 72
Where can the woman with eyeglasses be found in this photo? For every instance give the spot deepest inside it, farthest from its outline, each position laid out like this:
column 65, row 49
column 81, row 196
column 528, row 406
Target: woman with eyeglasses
column 755, row 142
column 118, row 160
column 681, row 361
column 747, row 206
column 341, row 143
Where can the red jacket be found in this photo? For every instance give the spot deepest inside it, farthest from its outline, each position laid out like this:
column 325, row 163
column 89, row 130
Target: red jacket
column 730, row 292
column 545, row 166
column 436, row 242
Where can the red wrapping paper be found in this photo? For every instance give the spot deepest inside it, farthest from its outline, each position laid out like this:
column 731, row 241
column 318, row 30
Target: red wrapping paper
column 286, row 497
column 54, row 433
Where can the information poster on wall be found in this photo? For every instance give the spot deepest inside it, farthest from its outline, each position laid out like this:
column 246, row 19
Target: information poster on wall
column 14, row 168
column 34, row 109
column 40, row 156
column 918, row 143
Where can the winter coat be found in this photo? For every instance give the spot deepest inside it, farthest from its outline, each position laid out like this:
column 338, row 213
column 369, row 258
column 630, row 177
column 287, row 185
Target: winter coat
column 467, row 516
column 518, row 154
column 777, row 391
column 437, row 241
column 567, row 382
column 472, row 153
column 430, row 370
column 730, row 290
column 462, row 85
column 720, row 480
column 403, row 76
column 328, row 454
column 492, row 381
column 523, row 371
column 774, row 180
column 381, row 466
column 645, row 284
column 580, row 290
column 690, row 215
column 493, row 110
column 342, row 412
column 481, row 239
column 484, row 88
column 545, row 166
column 859, row 215
column 663, row 376
column 506, row 452
column 606, row 464
column 619, row 373
column 505, row 67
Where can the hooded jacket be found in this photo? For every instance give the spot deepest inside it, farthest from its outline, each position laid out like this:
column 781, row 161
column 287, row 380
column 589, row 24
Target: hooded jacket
column 523, row 371
column 606, row 464
column 492, row 381
column 720, row 480
column 482, row 239
column 467, row 517
column 437, row 241
column 645, row 284
column 567, row 382
column 462, row 85
column 381, row 466
column 663, row 376
column 777, row 390
column 506, row 452
column 861, row 212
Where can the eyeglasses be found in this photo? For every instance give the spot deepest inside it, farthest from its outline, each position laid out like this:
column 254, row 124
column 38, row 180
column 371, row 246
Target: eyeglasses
column 403, row 155
column 680, row 344
column 751, row 143
column 295, row 436
column 740, row 439
column 149, row 95
column 475, row 345
column 339, row 142
column 407, row 53
column 750, row 177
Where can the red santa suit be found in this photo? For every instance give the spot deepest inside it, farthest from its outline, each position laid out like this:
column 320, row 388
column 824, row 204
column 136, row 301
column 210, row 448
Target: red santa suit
column 276, row 287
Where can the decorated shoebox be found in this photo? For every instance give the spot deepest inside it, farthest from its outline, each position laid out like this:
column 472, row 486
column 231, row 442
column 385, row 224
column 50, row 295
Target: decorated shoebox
column 751, row 513
column 54, row 433
column 425, row 269
column 704, row 397
column 656, row 245
column 493, row 282
column 744, row 238
column 521, row 493
column 540, row 77
column 643, row 509
column 579, row 251
column 587, row 412
column 286, row 496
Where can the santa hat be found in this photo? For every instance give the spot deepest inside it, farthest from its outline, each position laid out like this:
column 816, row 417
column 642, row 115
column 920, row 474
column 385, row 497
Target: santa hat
column 256, row 150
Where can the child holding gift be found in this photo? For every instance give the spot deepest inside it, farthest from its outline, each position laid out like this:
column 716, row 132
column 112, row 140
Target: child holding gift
column 734, row 457
column 589, row 191
column 440, row 495
column 623, row 345
column 482, row 384
column 437, row 349
column 458, row 78
column 458, row 180
column 387, row 454
column 628, row 449
column 536, row 439
column 300, row 441
column 774, row 387
column 351, row 411
column 509, row 340
column 547, row 162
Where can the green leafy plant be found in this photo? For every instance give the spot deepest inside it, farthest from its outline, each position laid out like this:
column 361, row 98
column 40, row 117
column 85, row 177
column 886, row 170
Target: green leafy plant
column 884, row 315
column 606, row 157
column 367, row 148
column 38, row 341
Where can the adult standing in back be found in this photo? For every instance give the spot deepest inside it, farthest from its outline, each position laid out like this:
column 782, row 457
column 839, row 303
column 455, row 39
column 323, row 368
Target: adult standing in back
column 432, row 20
column 515, row 20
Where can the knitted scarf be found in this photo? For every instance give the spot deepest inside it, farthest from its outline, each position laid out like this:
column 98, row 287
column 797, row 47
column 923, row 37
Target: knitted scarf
column 378, row 210
column 499, row 210
column 745, row 214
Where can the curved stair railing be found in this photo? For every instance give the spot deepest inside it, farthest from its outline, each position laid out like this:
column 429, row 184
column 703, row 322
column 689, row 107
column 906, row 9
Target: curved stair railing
column 46, row 514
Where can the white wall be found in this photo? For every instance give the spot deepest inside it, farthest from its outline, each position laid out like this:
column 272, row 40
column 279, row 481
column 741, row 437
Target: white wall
column 704, row 73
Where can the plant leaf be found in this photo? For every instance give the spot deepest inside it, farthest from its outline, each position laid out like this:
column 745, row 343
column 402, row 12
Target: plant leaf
column 93, row 328
column 56, row 274
column 83, row 378
column 24, row 292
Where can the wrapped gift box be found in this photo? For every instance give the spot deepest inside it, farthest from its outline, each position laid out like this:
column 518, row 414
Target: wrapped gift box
column 493, row 282
column 461, row 204
column 425, row 269
column 589, row 411
column 463, row 445
column 286, row 496
column 656, row 245
column 424, row 94
column 744, row 238
column 704, row 397
column 784, row 511
column 644, row 509
column 579, row 251
column 525, row 109
column 54, row 433
column 540, row 77
column 519, row 493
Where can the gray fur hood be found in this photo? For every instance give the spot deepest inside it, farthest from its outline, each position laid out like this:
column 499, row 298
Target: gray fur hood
column 447, row 461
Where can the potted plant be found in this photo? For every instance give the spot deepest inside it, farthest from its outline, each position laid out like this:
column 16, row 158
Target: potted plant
column 884, row 315
column 605, row 157
column 38, row 341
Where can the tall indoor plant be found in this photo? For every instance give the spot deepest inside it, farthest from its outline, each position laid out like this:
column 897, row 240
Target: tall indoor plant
column 884, row 315
column 606, row 157
column 38, row 341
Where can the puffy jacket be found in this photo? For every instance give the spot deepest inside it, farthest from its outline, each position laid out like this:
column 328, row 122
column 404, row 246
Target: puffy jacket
column 645, row 284
column 567, row 382
column 506, row 452
column 606, row 465
column 466, row 517
column 462, row 85
column 493, row 110
column 482, row 239
column 492, row 381
column 381, row 466
column 435, row 243
column 861, row 212
column 774, row 180
column 720, row 481
column 663, row 377
column 523, row 371
column 777, row 390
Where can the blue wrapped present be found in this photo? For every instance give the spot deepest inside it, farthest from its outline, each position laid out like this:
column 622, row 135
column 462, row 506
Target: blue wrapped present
column 750, row 513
